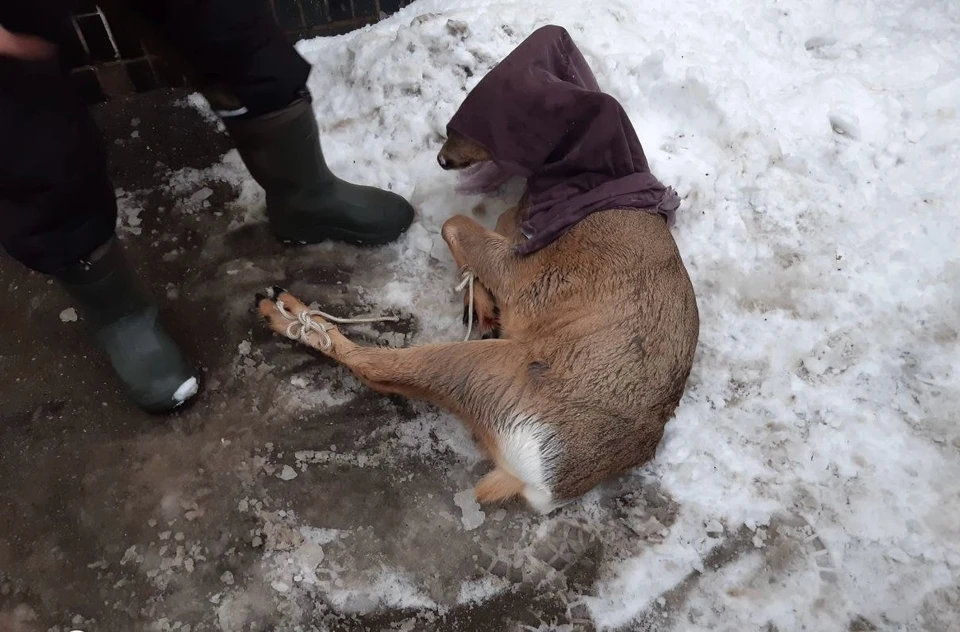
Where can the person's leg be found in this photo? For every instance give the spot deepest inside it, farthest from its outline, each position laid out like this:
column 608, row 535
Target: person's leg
column 56, row 200
column 256, row 81
column 58, row 215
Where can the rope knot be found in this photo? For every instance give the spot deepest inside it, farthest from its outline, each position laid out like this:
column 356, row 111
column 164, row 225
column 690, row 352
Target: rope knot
column 303, row 323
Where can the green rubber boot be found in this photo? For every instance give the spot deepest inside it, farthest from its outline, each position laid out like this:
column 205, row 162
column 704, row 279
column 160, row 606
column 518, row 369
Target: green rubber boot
column 306, row 203
column 143, row 355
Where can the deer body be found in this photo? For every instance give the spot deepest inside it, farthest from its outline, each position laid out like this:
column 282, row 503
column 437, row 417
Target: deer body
column 597, row 335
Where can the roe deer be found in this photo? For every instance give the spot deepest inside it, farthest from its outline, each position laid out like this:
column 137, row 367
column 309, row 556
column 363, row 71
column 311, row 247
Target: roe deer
column 597, row 335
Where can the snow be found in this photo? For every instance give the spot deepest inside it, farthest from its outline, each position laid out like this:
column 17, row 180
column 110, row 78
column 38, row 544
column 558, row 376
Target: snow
column 817, row 448
column 287, row 473
column 472, row 516
column 481, row 589
column 69, row 315
column 186, row 390
column 129, row 208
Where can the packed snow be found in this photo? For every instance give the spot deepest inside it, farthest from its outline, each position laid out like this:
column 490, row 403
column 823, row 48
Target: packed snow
column 813, row 467
column 69, row 315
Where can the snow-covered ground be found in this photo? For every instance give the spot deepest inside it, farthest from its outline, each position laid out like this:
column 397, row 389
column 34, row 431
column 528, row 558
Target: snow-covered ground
column 813, row 466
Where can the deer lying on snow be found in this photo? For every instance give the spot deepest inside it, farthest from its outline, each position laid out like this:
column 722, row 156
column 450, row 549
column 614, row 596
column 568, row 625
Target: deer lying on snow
column 596, row 315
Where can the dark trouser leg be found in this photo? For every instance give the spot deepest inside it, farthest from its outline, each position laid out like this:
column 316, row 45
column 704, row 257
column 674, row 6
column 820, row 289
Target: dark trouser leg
column 58, row 215
column 233, row 49
column 56, row 201
column 256, row 81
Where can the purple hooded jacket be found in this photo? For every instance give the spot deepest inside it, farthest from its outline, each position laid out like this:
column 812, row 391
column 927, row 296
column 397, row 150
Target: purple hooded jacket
column 541, row 115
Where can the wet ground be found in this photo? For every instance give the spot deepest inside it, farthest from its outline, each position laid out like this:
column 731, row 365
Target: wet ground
column 114, row 520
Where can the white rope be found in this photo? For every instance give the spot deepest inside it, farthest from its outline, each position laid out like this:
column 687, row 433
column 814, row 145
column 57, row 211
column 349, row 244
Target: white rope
column 467, row 279
column 303, row 324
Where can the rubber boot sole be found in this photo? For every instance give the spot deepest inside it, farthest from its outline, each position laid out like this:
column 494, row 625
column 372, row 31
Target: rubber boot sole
column 322, row 234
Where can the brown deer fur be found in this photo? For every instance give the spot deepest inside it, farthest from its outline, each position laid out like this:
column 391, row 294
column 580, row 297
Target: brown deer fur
column 597, row 337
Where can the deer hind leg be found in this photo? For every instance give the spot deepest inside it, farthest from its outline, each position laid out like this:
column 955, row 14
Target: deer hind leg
column 527, row 455
column 498, row 485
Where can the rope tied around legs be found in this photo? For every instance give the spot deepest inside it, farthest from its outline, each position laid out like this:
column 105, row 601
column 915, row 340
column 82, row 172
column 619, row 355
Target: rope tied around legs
column 302, row 324
column 467, row 281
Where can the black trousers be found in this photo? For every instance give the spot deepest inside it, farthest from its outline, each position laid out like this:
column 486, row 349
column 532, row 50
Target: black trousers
column 57, row 203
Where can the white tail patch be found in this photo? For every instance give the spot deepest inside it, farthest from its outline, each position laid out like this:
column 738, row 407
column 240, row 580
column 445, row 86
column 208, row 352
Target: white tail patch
column 529, row 450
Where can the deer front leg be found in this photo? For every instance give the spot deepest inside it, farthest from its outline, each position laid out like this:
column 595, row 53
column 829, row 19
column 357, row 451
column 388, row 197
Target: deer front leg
column 508, row 225
column 489, row 256
column 486, row 314
column 485, row 308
